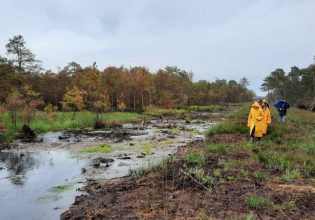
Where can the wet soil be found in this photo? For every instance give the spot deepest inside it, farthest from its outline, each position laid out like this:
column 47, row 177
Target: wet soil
column 171, row 193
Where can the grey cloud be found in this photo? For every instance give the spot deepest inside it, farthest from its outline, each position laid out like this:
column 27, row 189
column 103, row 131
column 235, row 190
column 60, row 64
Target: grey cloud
column 224, row 39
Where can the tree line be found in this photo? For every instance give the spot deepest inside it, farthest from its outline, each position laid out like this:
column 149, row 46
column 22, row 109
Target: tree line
column 24, row 83
column 297, row 86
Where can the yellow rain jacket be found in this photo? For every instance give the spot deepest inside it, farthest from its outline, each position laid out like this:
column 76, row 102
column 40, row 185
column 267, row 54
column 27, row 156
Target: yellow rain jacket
column 255, row 120
column 267, row 116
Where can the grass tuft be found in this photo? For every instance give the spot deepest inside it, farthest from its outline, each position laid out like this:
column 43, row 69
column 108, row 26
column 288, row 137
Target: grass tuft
column 195, row 158
column 102, row 148
column 255, row 202
column 261, row 176
column 218, row 148
column 291, row 175
column 60, row 188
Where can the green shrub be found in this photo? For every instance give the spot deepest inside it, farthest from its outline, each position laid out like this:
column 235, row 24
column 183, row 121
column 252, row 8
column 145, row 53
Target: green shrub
column 255, row 202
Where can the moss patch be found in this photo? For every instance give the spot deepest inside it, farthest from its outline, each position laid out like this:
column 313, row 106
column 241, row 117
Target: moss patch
column 146, row 148
column 50, row 198
column 102, row 148
column 60, row 188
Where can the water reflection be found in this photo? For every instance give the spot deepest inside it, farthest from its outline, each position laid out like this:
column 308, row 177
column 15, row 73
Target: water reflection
column 27, row 177
column 17, row 164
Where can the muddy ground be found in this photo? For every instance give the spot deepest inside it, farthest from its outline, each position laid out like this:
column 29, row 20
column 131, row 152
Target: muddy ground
column 170, row 193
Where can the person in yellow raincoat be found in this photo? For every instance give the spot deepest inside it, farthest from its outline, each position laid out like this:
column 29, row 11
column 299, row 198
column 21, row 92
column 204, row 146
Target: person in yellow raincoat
column 267, row 115
column 255, row 121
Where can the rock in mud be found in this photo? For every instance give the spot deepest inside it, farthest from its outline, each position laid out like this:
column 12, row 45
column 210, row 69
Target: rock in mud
column 64, row 137
column 142, row 155
column 107, row 160
column 83, row 170
column 27, row 134
column 96, row 164
column 124, row 157
column 97, row 161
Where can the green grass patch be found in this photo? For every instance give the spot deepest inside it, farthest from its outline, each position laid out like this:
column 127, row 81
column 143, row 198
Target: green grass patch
column 275, row 158
column 165, row 142
column 255, row 202
column 244, row 173
column 289, row 205
column 102, row 148
column 227, row 164
column 146, row 148
column 291, row 175
column 201, row 176
column 44, row 122
column 155, row 111
column 227, row 128
column 195, row 158
column 60, row 188
column 219, row 148
column 261, row 176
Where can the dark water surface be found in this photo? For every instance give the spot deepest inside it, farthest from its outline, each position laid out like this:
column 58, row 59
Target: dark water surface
column 26, row 181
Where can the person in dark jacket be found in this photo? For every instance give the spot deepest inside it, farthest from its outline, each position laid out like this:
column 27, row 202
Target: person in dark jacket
column 282, row 113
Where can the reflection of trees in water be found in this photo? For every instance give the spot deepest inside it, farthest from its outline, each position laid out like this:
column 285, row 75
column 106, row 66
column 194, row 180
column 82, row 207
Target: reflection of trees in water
column 18, row 164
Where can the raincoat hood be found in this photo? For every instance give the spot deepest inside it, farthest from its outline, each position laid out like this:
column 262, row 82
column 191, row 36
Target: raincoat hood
column 255, row 105
column 265, row 101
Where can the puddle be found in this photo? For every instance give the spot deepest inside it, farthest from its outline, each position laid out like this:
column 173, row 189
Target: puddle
column 26, row 180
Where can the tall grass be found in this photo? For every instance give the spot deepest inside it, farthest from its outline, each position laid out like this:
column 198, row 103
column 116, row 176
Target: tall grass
column 62, row 121
column 235, row 122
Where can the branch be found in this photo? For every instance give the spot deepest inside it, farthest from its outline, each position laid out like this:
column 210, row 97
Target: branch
column 195, row 180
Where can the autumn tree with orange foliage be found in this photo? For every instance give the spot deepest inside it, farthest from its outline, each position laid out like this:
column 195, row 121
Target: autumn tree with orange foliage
column 32, row 100
column 73, row 100
column 14, row 104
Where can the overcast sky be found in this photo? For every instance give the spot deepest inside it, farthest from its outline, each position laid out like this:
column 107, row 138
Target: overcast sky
column 214, row 39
